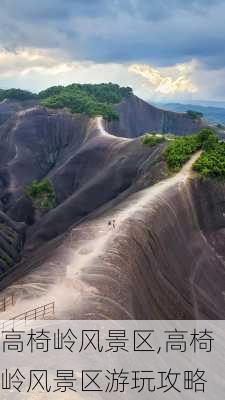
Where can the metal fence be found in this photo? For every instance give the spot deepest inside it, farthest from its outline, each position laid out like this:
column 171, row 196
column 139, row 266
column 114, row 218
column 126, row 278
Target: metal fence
column 46, row 311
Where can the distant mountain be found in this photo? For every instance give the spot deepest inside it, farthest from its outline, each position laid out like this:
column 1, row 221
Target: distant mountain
column 211, row 113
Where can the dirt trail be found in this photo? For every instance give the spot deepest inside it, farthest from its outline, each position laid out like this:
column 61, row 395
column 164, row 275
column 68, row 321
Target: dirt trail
column 59, row 279
column 100, row 126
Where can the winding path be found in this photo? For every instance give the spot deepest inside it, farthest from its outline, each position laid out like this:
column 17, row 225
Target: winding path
column 58, row 279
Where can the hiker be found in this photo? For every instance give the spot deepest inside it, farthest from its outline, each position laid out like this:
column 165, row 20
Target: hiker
column 109, row 223
column 114, row 224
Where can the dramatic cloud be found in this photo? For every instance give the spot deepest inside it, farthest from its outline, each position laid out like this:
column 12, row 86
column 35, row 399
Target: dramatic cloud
column 166, row 84
column 159, row 32
column 25, row 61
column 55, row 41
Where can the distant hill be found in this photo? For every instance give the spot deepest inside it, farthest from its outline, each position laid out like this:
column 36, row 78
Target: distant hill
column 91, row 100
column 126, row 114
column 212, row 114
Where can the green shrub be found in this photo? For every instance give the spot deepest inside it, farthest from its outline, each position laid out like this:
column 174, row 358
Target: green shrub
column 52, row 91
column 205, row 135
column 180, row 150
column 89, row 99
column 211, row 163
column 16, row 94
column 42, row 193
column 194, row 114
column 150, row 139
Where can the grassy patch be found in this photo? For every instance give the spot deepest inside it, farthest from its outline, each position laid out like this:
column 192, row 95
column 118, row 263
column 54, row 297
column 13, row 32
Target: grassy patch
column 151, row 139
column 42, row 193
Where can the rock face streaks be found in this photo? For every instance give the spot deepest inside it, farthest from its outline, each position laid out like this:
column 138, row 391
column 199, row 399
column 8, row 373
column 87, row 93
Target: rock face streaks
column 165, row 256
column 156, row 263
column 68, row 149
column 12, row 238
column 138, row 117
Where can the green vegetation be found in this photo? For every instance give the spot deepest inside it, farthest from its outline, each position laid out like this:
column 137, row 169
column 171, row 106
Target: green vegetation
column 16, row 94
column 194, row 114
column 52, row 91
column 42, row 193
column 220, row 126
column 180, row 150
column 211, row 162
column 151, row 139
column 89, row 99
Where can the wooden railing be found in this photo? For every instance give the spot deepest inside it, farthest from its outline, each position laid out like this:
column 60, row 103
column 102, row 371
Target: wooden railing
column 46, row 311
column 6, row 302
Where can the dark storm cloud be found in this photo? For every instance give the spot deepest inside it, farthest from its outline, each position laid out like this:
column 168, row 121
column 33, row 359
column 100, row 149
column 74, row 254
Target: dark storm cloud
column 159, row 31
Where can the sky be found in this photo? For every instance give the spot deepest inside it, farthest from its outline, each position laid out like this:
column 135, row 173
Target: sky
column 166, row 50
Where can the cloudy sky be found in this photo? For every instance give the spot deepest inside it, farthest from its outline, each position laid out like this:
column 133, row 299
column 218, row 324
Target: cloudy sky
column 164, row 49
